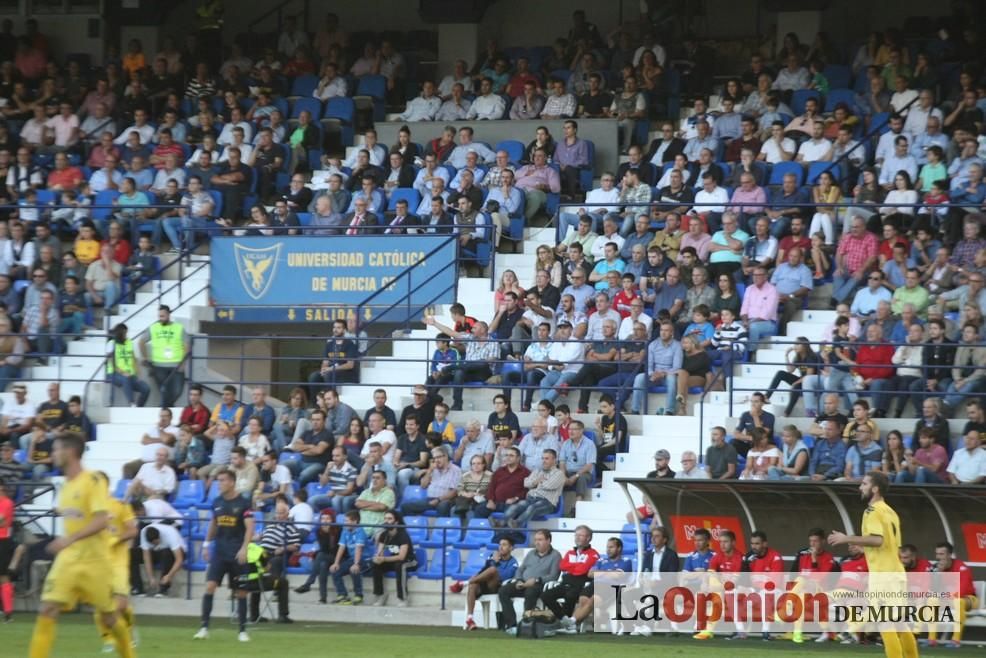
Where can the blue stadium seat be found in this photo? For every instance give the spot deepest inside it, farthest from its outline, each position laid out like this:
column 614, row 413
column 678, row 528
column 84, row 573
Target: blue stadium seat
column 479, row 533
column 196, row 563
column 417, row 528
column 413, row 492
column 442, row 564
column 446, row 530
column 779, row 170
column 514, row 149
column 316, row 489
column 104, row 198
column 836, row 96
column 839, row 76
column 374, row 86
column 209, row 496
column 121, row 487
column 287, row 456
column 190, row 493
column 305, row 562
column 304, row 85
column 474, row 563
column 409, row 194
column 313, row 105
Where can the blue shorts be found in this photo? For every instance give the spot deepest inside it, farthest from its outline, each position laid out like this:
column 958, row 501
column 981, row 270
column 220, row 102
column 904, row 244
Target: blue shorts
column 222, row 565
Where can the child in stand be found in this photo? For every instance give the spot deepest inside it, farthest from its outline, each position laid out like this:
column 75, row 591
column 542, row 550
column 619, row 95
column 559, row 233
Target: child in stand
column 86, row 245
column 564, row 416
column 818, row 80
column 623, row 299
column 729, row 339
column 72, row 305
column 441, row 361
column 936, row 202
column 701, row 328
column 442, row 425
column 27, row 209
column 819, row 258
column 190, row 453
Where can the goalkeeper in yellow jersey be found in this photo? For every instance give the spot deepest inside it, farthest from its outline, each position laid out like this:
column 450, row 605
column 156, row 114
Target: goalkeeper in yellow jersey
column 881, row 544
column 78, row 573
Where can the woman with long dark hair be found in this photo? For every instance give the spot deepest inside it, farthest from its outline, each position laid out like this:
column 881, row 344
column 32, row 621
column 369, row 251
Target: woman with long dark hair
column 802, row 362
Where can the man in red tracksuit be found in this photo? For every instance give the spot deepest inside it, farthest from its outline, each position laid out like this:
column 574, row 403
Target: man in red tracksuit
column 946, row 563
column 811, row 560
column 575, row 566
column 728, row 561
column 851, row 566
column 764, row 560
column 912, row 561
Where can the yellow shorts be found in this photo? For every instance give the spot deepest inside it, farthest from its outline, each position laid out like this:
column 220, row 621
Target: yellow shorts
column 121, row 575
column 72, row 582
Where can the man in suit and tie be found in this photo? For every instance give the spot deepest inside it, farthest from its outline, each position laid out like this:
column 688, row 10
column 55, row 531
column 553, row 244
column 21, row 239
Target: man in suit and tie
column 403, row 222
column 438, row 220
column 358, row 221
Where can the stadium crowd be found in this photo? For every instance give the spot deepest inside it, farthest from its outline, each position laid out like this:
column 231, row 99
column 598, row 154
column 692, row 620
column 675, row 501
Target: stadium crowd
column 704, row 243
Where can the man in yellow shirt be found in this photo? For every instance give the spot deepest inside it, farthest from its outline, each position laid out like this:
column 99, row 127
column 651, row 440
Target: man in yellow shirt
column 120, row 531
column 78, row 573
column 881, row 545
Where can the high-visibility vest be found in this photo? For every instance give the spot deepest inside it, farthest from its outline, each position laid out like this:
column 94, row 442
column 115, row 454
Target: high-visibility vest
column 123, row 359
column 255, row 558
column 167, row 342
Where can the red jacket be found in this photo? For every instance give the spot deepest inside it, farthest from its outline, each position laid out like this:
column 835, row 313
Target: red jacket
column 771, row 561
column 727, row 564
column 504, row 484
column 578, row 562
column 966, row 587
column 851, row 567
column 874, row 361
column 806, row 562
column 196, row 417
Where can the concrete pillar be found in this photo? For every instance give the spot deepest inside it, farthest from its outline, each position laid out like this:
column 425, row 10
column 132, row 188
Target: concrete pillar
column 457, row 41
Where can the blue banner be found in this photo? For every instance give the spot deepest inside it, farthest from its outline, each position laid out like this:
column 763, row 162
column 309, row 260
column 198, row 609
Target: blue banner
column 332, row 274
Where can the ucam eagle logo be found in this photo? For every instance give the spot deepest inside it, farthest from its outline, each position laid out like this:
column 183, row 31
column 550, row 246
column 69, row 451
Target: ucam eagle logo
column 256, row 268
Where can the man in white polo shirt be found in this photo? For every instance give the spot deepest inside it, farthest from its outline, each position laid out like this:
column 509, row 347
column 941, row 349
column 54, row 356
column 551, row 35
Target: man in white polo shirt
column 154, row 478
column 968, row 466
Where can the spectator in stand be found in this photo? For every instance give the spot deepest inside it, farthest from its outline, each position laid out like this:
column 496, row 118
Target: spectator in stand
column 968, row 465
column 481, row 351
column 440, row 482
column 976, row 417
column 339, row 362
column 164, row 433
column 315, row 447
column 572, row 156
column 756, row 417
column 395, row 552
column 855, row 257
column 340, row 478
column 864, row 455
column 720, row 457
column 828, row 457
column 544, row 487
column 578, row 461
column 928, row 463
column 154, row 479
column 487, row 106
column 759, row 310
column 507, row 486
column 410, row 456
column 338, row 414
column 475, row 441
column 873, row 370
column 537, row 180
column 968, row 371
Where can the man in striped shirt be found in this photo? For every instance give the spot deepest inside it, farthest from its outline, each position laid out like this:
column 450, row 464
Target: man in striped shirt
column 279, row 539
column 340, row 476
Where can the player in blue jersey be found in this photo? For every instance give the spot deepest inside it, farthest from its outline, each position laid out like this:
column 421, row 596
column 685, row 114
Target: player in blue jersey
column 230, row 530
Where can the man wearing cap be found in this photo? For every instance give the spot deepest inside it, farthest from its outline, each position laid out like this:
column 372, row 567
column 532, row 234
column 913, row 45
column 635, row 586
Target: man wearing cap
column 662, row 470
column 422, row 406
column 18, row 417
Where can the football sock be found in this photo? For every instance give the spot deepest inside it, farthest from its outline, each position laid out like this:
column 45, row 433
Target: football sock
column 42, row 638
column 206, row 609
column 7, row 598
column 241, row 609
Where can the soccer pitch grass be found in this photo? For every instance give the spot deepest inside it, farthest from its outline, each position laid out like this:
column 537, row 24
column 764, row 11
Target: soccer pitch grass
column 170, row 637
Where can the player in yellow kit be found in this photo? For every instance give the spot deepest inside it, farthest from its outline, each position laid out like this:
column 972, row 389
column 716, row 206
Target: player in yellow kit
column 120, row 531
column 78, row 573
column 881, row 544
